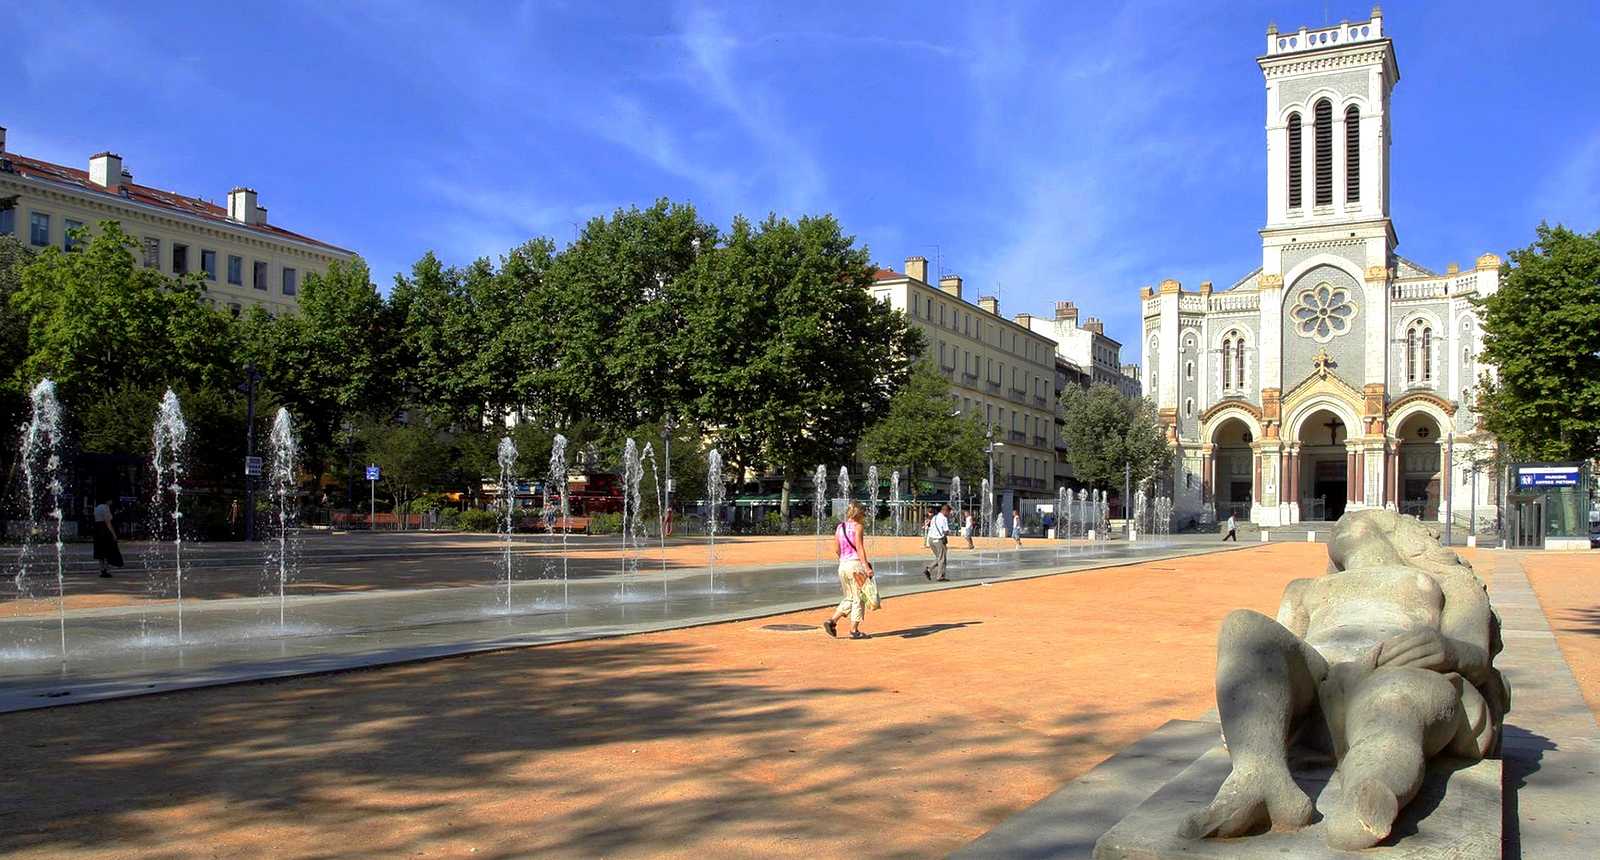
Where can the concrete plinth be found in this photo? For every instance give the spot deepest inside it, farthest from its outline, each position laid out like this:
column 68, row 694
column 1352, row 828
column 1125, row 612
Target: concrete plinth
column 1457, row 814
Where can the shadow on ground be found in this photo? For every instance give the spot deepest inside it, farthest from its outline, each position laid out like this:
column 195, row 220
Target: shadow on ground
column 551, row 750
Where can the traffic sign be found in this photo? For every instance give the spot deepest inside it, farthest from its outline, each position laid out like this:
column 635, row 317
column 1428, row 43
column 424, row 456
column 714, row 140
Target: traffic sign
column 373, row 473
column 252, row 466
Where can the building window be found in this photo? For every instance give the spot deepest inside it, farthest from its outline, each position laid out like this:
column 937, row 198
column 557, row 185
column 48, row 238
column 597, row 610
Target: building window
column 69, row 242
column 1419, row 353
column 1324, row 154
column 290, row 285
column 1238, row 364
column 1188, row 371
column 1227, row 362
column 1352, row 155
column 1427, row 354
column 152, row 252
column 1188, row 408
column 259, row 275
column 38, row 229
column 180, row 259
column 8, row 222
column 236, row 270
column 233, row 308
column 1294, row 161
column 208, row 264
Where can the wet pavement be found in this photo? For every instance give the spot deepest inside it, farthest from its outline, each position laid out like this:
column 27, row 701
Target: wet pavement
column 155, row 646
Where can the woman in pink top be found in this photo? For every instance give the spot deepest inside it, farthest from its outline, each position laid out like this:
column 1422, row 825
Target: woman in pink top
column 854, row 571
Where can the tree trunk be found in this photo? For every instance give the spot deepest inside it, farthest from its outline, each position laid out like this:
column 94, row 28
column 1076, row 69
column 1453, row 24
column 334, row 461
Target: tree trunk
column 783, row 501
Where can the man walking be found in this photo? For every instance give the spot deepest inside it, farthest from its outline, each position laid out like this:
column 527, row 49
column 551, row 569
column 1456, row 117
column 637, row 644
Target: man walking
column 1233, row 530
column 939, row 542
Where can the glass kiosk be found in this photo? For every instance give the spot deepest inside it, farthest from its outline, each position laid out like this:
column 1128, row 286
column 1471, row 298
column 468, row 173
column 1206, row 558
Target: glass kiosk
column 1549, row 506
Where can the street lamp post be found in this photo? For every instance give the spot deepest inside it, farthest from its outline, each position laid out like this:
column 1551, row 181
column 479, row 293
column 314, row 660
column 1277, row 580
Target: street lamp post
column 251, row 377
column 989, row 449
column 667, row 426
column 1127, row 489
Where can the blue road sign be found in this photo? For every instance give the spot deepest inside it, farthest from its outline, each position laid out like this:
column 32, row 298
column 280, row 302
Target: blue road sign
column 373, row 473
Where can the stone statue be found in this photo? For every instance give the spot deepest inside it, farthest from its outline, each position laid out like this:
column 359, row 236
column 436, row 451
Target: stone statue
column 1382, row 663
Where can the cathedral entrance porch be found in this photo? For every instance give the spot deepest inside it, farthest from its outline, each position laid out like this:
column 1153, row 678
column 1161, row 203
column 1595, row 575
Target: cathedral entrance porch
column 1419, row 490
column 1319, row 469
column 1234, row 472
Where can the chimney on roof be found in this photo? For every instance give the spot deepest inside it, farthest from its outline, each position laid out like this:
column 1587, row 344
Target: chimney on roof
column 105, row 170
column 242, row 207
column 951, row 284
column 2, row 140
column 1095, row 325
column 989, row 304
column 917, row 269
column 1066, row 312
column 1024, row 320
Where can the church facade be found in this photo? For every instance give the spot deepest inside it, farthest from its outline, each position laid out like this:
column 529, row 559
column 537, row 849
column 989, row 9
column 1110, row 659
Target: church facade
column 1338, row 375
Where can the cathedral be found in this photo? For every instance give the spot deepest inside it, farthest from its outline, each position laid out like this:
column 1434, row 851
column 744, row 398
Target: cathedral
column 1338, row 375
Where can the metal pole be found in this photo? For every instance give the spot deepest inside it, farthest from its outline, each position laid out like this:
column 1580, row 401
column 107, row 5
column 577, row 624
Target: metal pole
column 1472, row 527
column 989, row 526
column 666, row 491
column 250, row 377
column 1127, row 489
column 372, row 505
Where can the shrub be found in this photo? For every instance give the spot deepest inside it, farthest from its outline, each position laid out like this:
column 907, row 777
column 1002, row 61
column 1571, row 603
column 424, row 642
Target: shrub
column 477, row 521
column 605, row 524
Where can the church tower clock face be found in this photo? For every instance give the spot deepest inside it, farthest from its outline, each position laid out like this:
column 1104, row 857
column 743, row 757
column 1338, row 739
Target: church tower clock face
column 1322, row 312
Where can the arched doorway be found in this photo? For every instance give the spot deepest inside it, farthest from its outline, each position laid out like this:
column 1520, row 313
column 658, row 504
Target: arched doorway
column 1233, row 460
column 1322, row 473
column 1417, row 440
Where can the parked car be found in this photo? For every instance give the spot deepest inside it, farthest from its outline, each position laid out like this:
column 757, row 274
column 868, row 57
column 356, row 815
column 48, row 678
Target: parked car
column 1594, row 534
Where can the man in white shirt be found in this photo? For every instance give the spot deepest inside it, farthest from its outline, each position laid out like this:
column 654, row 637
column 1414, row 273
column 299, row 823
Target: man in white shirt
column 939, row 542
column 1233, row 530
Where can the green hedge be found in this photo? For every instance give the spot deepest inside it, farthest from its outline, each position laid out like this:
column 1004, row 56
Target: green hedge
column 478, row 521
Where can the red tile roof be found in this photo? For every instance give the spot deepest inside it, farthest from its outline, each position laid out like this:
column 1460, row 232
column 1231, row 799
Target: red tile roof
column 33, row 168
column 886, row 275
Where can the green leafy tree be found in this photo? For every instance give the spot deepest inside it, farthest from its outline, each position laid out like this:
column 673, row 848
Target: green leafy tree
column 921, row 431
column 414, row 456
column 330, row 363
column 1541, row 333
column 95, row 320
column 14, row 256
column 611, row 306
column 1106, row 431
column 791, row 357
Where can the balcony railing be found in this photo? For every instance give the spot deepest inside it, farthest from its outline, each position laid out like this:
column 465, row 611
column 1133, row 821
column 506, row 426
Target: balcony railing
column 1038, row 400
column 992, row 387
column 1018, row 436
column 1017, row 396
column 1041, row 442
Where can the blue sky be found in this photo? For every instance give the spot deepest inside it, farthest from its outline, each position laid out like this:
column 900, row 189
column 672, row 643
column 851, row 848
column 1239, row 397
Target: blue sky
column 1047, row 151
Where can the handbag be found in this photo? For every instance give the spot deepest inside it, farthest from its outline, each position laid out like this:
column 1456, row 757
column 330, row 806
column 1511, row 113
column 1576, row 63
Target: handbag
column 869, row 594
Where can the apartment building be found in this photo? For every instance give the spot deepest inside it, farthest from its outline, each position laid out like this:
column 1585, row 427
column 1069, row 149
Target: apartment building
column 245, row 260
column 998, row 369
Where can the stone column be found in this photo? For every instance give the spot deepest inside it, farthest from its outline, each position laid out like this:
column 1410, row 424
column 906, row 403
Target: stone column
column 1292, row 485
column 1359, row 478
column 1255, row 480
column 1392, row 476
column 1349, row 477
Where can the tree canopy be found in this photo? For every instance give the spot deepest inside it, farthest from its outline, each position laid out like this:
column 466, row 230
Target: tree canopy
column 1541, row 333
column 1105, row 431
column 763, row 341
column 921, row 432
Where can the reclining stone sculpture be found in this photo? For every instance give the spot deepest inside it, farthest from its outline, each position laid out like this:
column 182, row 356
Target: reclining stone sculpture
column 1382, row 663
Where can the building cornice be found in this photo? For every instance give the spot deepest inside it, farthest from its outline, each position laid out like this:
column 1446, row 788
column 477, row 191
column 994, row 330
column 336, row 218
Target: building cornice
column 113, row 205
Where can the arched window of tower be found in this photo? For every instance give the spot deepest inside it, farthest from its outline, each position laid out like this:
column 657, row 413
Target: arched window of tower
column 1324, row 153
column 1294, row 160
column 1352, row 154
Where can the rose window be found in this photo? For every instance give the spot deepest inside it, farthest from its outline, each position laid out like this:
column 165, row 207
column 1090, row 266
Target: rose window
column 1323, row 312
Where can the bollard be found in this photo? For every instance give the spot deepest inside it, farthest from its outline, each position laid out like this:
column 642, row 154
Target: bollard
column 1263, row 535
column 1311, row 536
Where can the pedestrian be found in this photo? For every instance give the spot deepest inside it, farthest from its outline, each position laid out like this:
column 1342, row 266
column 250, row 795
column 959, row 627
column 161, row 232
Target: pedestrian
column 1016, row 527
column 938, row 536
column 968, row 524
column 854, row 572
column 1233, row 530
column 106, row 550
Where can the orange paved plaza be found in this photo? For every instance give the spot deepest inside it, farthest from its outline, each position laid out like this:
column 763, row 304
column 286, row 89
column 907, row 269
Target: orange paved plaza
column 729, row 740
